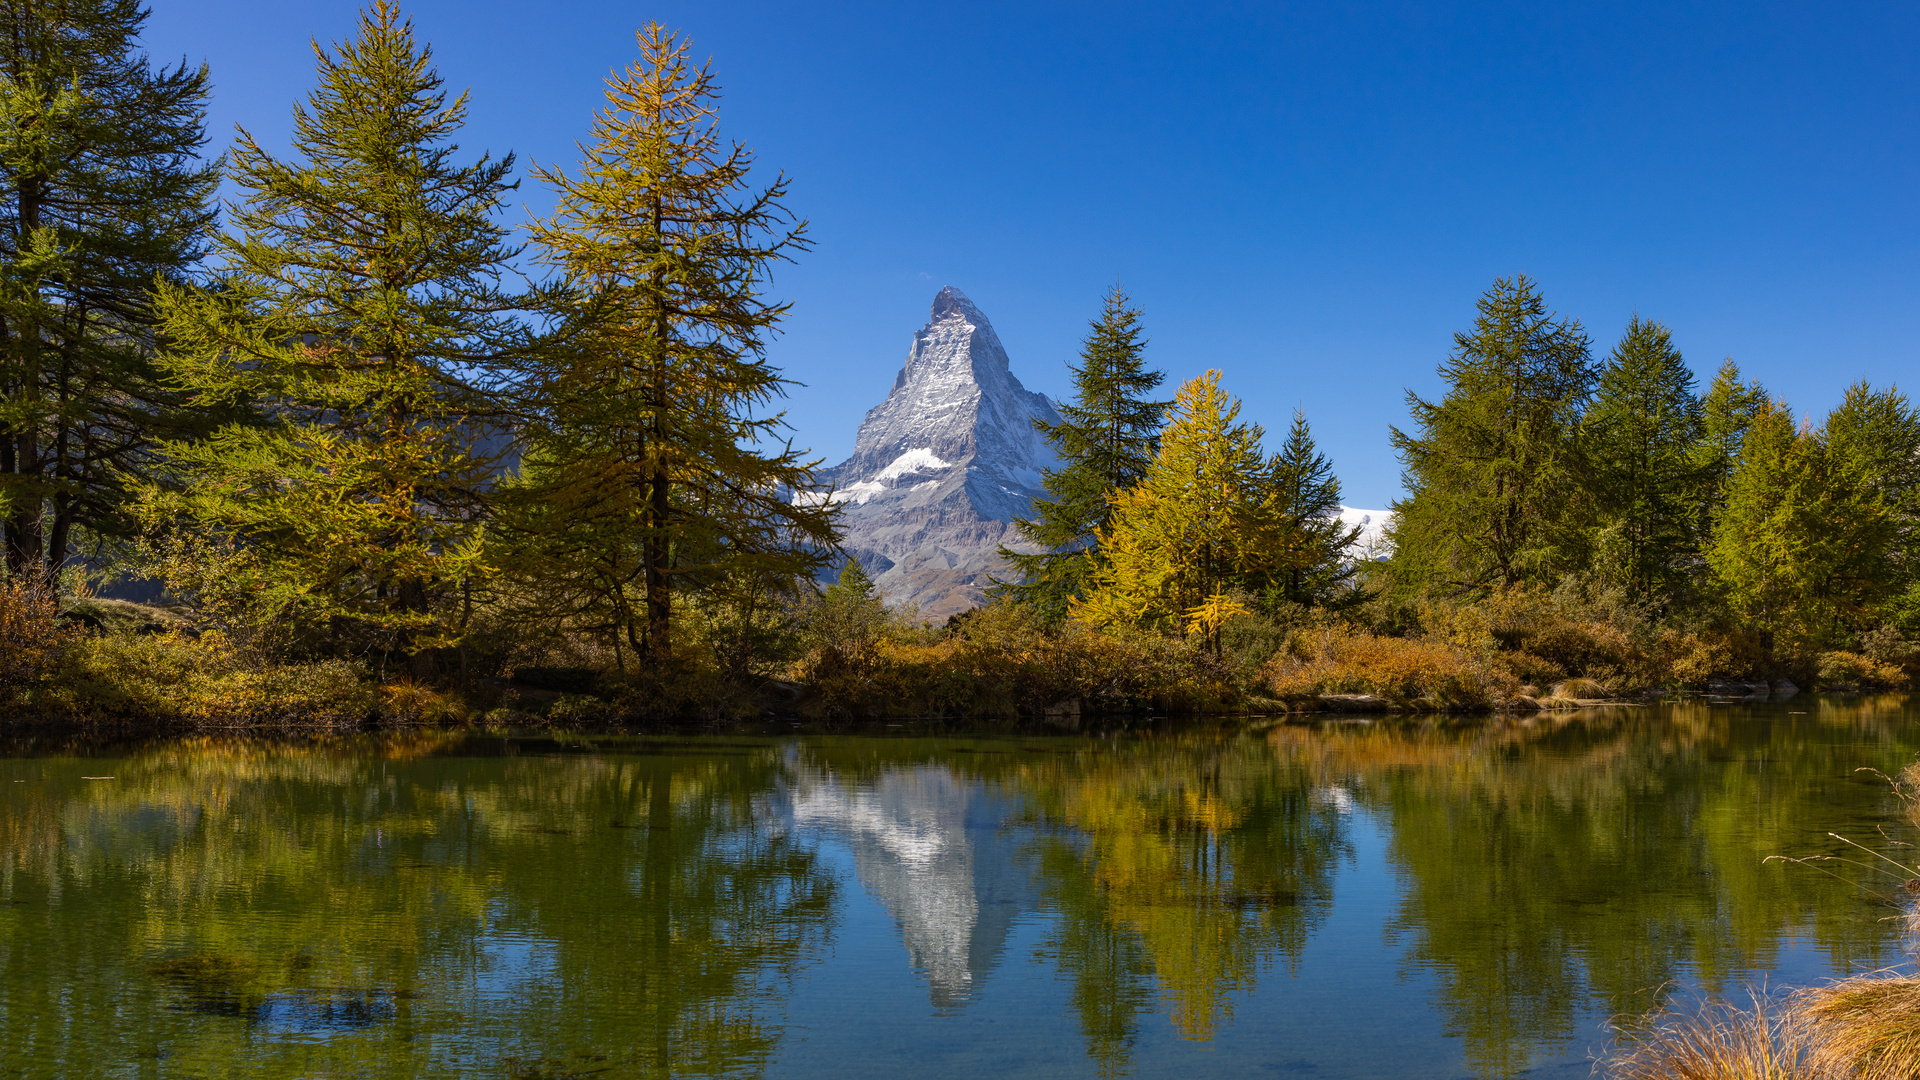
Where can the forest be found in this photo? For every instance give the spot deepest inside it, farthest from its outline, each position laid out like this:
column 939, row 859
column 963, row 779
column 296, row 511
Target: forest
column 387, row 456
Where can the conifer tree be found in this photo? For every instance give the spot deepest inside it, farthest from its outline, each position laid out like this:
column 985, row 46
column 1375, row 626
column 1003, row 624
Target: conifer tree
column 101, row 192
column 1802, row 537
column 1106, row 440
column 652, row 452
column 1316, row 561
column 1876, row 435
column 1729, row 408
column 1638, row 446
column 1199, row 524
column 358, row 309
column 1486, row 468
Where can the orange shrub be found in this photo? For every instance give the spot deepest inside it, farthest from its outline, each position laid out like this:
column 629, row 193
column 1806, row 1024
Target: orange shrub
column 32, row 637
column 1338, row 659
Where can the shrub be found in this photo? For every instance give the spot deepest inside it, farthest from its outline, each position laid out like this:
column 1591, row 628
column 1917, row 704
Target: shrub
column 32, row 637
column 1851, row 671
column 1337, row 659
column 201, row 682
column 1004, row 659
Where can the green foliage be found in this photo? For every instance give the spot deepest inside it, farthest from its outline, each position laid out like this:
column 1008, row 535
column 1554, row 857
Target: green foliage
column 1106, row 441
column 651, row 469
column 1639, row 448
column 1728, row 410
column 1487, row 468
column 1875, row 435
column 1803, row 540
column 357, row 310
column 101, row 192
column 1316, row 566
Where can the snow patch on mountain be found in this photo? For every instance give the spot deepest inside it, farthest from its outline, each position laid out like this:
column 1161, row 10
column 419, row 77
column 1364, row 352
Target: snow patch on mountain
column 1372, row 541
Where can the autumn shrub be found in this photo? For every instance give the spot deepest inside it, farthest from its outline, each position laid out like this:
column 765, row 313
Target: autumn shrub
column 1852, row 671
column 200, row 682
column 1428, row 672
column 1005, row 660
column 33, row 639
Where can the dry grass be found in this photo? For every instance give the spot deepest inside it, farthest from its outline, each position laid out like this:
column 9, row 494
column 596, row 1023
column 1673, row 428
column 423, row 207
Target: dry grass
column 1771, row 1041
column 1865, row 1028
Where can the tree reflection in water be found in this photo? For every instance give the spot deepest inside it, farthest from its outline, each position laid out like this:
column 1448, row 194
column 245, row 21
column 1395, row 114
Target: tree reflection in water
column 453, row 905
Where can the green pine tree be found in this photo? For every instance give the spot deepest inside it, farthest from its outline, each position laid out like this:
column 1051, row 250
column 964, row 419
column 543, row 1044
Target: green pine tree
column 358, row 309
column 1487, row 467
column 1638, row 446
column 1106, row 440
column 1876, row 435
column 101, row 192
column 1728, row 409
column 1316, row 564
column 1801, row 543
column 654, row 465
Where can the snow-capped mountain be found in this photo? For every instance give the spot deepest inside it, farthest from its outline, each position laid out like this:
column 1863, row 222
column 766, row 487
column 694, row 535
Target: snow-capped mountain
column 942, row 467
column 1372, row 541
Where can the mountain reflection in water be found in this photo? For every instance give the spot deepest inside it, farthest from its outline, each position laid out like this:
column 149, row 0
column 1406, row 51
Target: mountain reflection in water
column 1334, row 900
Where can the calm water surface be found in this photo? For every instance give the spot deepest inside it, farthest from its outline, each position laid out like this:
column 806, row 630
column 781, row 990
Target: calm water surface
column 1314, row 901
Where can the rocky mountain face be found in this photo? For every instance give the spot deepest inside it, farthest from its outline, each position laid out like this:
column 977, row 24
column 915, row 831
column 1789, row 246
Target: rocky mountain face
column 942, row 467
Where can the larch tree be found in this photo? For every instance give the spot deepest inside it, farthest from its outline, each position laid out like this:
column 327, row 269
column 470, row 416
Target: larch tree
column 1106, row 440
column 101, row 192
column 1876, row 435
column 1486, row 467
column 1316, row 560
column 1728, row 409
column 652, row 454
column 1638, row 444
column 1194, row 529
column 1800, row 544
column 358, row 310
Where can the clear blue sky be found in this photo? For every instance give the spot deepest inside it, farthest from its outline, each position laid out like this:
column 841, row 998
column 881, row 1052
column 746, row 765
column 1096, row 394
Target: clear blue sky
column 1308, row 198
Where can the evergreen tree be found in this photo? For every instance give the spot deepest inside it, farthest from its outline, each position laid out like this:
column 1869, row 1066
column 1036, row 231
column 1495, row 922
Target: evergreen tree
column 100, row 193
column 358, row 309
column 1729, row 408
column 652, row 455
column 1106, row 440
column 1486, row 469
column 1876, row 435
column 1199, row 524
column 1800, row 543
column 1638, row 443
column 1316, row 562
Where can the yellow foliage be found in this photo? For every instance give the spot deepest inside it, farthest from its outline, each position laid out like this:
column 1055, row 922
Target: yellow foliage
column 200, row 682
column 1845, row 670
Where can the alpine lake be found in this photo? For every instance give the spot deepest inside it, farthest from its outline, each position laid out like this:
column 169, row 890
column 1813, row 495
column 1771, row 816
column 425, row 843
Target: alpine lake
column 1397, row 898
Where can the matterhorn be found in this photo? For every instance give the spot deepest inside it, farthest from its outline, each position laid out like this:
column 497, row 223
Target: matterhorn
column 943, row 466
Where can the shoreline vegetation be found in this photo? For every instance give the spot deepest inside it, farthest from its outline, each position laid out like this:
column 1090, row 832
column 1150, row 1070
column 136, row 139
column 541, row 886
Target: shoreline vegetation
column 374, row 480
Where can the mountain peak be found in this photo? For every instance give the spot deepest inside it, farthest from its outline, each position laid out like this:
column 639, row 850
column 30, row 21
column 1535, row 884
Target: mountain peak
column 952, row 301
column 944, row 465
